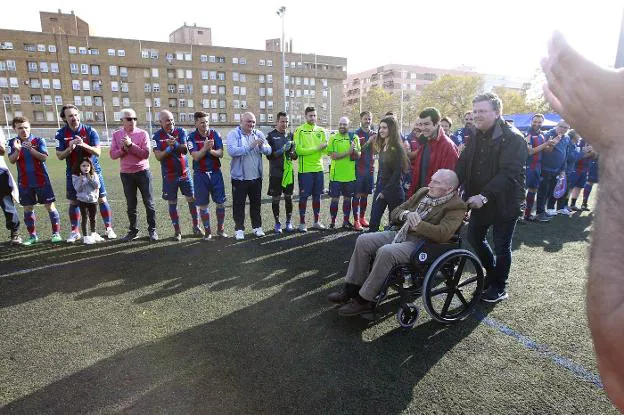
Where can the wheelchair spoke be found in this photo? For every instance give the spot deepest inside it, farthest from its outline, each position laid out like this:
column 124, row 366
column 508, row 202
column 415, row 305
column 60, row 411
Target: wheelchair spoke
column 447, row 304
column 460, row 270
column 443, row 290
column 468, row 281
column 461, row 298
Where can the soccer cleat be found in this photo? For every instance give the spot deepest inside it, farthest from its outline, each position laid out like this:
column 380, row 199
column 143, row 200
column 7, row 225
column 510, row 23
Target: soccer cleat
column 357, row 226
column 239, row 235
column 302, row 228
column 207, row 237
column 56, row 237
column 16, row 239
column 319, row 226
column 32, row 239
column 88, row 240
column 153, row 236
column 363, row 222
column 289, row 227
column 221, row 234
column 73, row 237
column 197, row 231
column 258, row 232
column 177, row 237
column 278, row 228
column 96, row 237
column 110, row 233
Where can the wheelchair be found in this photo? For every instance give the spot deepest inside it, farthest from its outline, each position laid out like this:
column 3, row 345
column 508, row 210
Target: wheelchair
column 449, row 279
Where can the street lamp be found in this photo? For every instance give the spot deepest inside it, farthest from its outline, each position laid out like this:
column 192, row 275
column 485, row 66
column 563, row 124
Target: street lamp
column 281, row 12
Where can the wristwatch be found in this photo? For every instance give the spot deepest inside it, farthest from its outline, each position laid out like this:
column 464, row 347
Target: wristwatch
column 484, row 199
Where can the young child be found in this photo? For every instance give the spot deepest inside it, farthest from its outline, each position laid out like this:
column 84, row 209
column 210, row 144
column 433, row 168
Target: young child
column 87, row 185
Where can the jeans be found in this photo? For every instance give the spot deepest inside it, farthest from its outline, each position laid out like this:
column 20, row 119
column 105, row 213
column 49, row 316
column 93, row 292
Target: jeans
column 496, row 268
column 379, row 207
column 544, row 193
column 141, row 180
column 241, row 189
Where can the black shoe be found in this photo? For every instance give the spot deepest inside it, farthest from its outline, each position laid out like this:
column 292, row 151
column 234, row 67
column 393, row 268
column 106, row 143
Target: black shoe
column 347, row 292
column 494, row 295
column 347, row 226
column 585, row 208
column 153, row 236
column 355, row 307
column 574, row 208
column 130, row 236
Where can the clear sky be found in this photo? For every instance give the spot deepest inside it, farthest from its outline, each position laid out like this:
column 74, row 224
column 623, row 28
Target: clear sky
column 503, row 37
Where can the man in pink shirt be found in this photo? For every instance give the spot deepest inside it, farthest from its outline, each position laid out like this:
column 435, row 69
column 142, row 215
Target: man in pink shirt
column 131, row 146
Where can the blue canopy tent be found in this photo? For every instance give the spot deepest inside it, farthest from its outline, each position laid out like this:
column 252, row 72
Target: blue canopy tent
column 523, row 121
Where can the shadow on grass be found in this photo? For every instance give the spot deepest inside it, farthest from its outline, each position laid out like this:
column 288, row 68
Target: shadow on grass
column 287, row 353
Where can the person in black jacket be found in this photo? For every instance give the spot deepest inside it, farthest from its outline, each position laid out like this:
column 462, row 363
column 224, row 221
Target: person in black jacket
column 492, row 172
column 393, row 162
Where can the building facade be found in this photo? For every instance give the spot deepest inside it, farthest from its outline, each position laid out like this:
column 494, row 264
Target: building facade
column 39, row 72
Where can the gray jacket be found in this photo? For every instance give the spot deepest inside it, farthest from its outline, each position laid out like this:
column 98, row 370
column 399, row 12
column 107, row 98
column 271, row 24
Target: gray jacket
column 246, row 162
column 87, row 189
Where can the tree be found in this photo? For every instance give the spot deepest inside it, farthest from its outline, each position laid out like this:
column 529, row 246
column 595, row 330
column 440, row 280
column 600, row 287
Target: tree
column 514, row 101
column 451, row 94
column 378, row 102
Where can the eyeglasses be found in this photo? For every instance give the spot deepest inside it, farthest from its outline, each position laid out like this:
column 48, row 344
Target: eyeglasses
column 131, row 118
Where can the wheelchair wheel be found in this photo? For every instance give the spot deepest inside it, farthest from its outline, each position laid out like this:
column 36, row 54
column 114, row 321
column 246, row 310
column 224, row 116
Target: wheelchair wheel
column 453, row 286
column 407, row 315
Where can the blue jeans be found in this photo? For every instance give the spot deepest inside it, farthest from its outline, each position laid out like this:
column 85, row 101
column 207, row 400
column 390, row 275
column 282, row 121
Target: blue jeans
column 497, row 268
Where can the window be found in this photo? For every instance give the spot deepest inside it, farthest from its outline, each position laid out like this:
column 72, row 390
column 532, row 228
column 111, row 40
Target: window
column 94, row 51
column 73, row 68
column 115, row 101
column 262, row 105
column 213, row 89
column 43, row 67
column 146, row 73
column 58, row 100
column 190, row 103
column 147, row 87
column 7, row 100
column 243, row 77
column 56, row 84
column 312, row 82
column 145, row 54
column 306, row 81
column 88, row 115
column 179, row 56
column 173, row 102
column 189, row 74
column 262, row 92
column 72, row 50
column 261, row 79
column 117, row 115
column 121, row 52
column 32, row 66
column 148, row 102
column 125, row 102
column 269, row 92
column 154, row 54
column 204, row 89
column 112, row 70
column 204, row 74
column 236, row 90
column 212, row 59
column 261, row 62
column 181, row 89
column 242, row 61
column 124, row 87
column 35, row 99
column 269, row 79
column 47, row 99
column 84, row 69
column 243, row 90
column 157, row 102
column 4, row 83
column 82, row 50
column 236, row 104
column 205, row 103
column 270, row 117
column 10, row 64
column 221, row 90
column 181, row 103
column 123, row 71
column 220, row 59
column 235, row 76
column 189, row 89
column 324, row 83
column 221, row 103
column 16, row 99
column 188, row 57
column 45, row 83
column 171, row 88
column 78, row 101
column 13, row 82
column 262, row 117
column 297, row 81
column 182, row 117
column 34, row 83
column 213, row 103
column 54, row 67
column 180, row 73
column 237, row 117
column 99, row 116
column 156, row 87
column 98, row 101
column 269, row 62
column 169, row 57
column 88, row 100
column 114, row 86
column 221, row 76
column 235, row 61
column 38, row 115
column 203, row 58
column 95, row 70
column 50, row 116
column 96, row 85
column 213, row 75
column 52, row 48
column 75, row 85
column 171, row 73
column 111, row 52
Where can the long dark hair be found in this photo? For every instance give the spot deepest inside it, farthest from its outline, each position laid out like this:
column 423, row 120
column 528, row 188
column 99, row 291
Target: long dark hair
column 395, row 152
column 76, row 168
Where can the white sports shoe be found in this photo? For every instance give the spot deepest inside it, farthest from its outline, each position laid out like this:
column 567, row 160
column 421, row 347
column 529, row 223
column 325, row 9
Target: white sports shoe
column 318, row 225
column 239, row 235
column 258, row 232
column 110, row 233
column 302, row 228
column 564, row 211
column 73, row 237
column 96, row 237
column 89, row 240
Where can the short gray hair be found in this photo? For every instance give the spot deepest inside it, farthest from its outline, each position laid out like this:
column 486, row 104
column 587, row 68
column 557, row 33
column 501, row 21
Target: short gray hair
column 492, row 98
column 127, row 111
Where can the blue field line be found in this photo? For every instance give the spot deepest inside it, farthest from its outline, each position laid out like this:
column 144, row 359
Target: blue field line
column 578, row 370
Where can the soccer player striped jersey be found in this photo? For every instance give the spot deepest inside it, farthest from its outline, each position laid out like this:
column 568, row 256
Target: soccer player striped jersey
column 534, row 139
column 89, row 136
column 366, row 162
column 208, row 163
column 30, row 171
column 175, row 166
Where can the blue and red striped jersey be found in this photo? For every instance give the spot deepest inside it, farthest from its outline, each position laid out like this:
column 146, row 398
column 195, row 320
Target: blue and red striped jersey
column 366, row 163
column 30, row 171
column 208, row 163
column 534, row 139
column 175, row 166
column 89, row 136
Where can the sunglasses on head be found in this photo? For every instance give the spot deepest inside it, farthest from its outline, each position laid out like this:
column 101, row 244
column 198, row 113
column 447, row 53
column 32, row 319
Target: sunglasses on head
column 131, row 118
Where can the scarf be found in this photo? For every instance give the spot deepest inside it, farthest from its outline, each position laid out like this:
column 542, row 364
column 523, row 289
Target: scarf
column 423, row 209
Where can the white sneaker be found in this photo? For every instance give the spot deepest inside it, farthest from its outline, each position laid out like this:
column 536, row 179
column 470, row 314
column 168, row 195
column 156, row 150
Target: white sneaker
column 89, row 240
column 96, row 237
column 564, row 211
column 318, row 225
column 551, row 212
column 302, row 228
column 239, row 235
column 258, row 232
column 73, row 237
column 110, row 233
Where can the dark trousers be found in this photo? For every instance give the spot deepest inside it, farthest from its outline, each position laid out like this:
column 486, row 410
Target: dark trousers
column 87, row 210
column 142, row 181
column 497, row 268
column 241, row 189
column 7, row 204
column 379, row 207
column 544, row 193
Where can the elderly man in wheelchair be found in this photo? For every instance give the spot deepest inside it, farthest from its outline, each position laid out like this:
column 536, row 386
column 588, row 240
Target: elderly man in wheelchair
column 419, row 255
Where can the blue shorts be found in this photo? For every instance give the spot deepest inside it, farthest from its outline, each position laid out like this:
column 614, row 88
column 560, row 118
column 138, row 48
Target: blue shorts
column 310, row 184
column 533, row 178
column 170, row 189
column 337, row 189
column 577, row 180
column 30, row 196
column 364, row 184
column 209, row 185
column 71, row 192
column 592, row 176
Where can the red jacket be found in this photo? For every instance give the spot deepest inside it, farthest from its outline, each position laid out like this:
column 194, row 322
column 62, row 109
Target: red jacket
column 443, row 154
